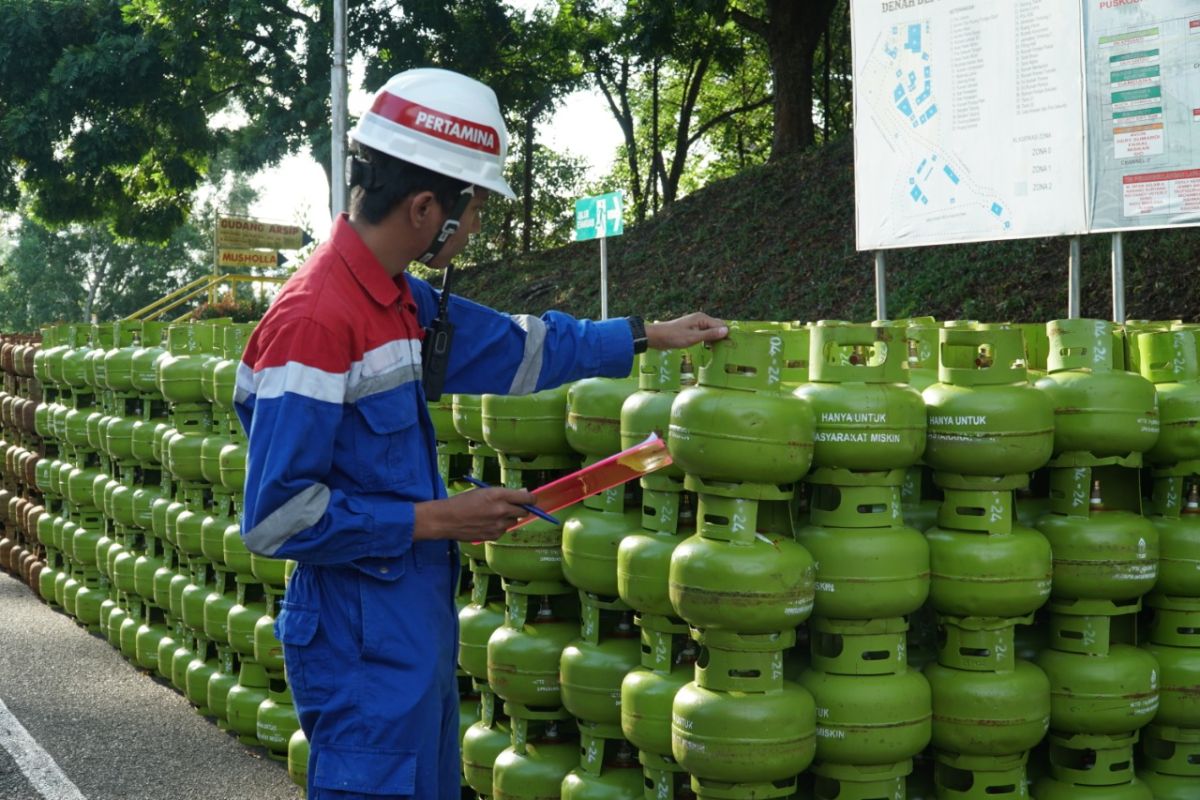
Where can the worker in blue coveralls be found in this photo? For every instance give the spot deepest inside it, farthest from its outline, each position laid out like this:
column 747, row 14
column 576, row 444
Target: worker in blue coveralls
column 342, row 468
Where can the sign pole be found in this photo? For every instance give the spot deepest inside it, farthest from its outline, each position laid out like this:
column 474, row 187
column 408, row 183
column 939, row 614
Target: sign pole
column 880, row 285
column 603, row 277
column 212, row 290
column 1118, row 279
column 1074, row 271
column 338, row 88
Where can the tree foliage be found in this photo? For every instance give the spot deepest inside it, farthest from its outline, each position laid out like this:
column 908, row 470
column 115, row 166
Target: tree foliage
column 101, row 120
column 112, row 111
column 81, row 272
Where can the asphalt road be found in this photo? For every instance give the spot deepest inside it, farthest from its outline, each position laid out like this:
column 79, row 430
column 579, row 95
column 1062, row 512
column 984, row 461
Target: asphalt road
column 100, row 729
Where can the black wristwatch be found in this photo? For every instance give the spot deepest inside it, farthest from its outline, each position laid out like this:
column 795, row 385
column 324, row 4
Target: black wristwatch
column 638, row 329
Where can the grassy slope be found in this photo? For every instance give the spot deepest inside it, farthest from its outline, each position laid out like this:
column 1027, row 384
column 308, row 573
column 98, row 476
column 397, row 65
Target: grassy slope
column 777, row 242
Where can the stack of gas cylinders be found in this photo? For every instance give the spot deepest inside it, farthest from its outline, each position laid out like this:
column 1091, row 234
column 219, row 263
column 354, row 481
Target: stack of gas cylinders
column 907, row 559
column 138, row 467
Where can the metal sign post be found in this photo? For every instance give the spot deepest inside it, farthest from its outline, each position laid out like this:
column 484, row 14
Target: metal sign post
column 1074, row 272
column 1118, row 279
column 600, row 217
column 338, row 90
column 880, row 285
column 603, row 277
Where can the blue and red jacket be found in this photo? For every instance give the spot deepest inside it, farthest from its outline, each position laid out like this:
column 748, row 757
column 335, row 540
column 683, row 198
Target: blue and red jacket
column 329, row 390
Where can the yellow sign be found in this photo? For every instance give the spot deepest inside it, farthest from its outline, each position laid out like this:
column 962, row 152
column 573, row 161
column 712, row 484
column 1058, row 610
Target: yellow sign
column 243, row 232
column 245, row 259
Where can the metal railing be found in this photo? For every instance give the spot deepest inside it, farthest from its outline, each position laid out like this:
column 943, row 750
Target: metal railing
column 190, row 291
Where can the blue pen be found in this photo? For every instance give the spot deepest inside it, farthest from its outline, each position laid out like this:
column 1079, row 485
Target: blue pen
column 537, row 512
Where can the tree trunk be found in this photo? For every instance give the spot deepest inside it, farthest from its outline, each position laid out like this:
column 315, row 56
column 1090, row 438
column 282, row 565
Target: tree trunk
column 691, row 96
column 527, row 205
column 792, row 31
column 616, row 94
column 655, row 147
column 826, row 99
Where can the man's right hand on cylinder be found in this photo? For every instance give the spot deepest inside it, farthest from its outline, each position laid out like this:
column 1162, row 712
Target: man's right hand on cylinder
column 472, row 516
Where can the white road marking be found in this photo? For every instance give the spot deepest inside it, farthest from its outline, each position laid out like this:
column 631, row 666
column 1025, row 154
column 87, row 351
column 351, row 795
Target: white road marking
column 36, row 764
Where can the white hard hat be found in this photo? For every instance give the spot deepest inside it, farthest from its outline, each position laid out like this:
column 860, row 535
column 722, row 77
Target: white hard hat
column 440, row 120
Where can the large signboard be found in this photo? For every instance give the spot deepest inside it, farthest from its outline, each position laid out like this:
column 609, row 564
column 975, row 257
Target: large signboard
column 1143, row 99
column 968, row 120
column 979, row 120
column 244, row 232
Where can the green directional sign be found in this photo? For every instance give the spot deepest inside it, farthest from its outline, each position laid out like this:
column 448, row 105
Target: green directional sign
column 599, row 217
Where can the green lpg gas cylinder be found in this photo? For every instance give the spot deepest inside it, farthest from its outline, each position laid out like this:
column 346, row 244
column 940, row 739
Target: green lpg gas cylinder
column 144, row 375
column 1108, row 694
column 477, row 621
column 74, row 358
column 269, row 571
column 661, row 375
column 1047, row 788
column 1177, row 519
column 200, row 672
column 593, row 424
column 524, row 653
column 277, row 720
column 142, row 441
column 117, row 437
column 532, row 552
column 866, row 419
column 231, row 463
column 244, row 700
column 180, row 372
column 243, row 619
column 217, row 438
column 183, row 447
column 738, row 575
column 868, row 563
column 297, row 758
column 592, row 537
column 871, row 708
column 212, row 530
column 527, row 425
column 647, row 693
column 534, row 767
column 989, row 713
column 983, row 562
column 1179, row 670
column 230, row 342
column 1168, row 359
column 736, row 425
column 149, row 637
column 483, row 742
column 984, row 418
column 441, row 414
column 609, row 770
column 467, row 416
column 644, row 557
column 592, row 668
column 743, row 737
column 268, row 650
column 1104, row 549
column 1099, row 407
column 233, row 548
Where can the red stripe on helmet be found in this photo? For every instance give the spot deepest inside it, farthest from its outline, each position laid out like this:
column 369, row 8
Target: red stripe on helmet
column 434, row 123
